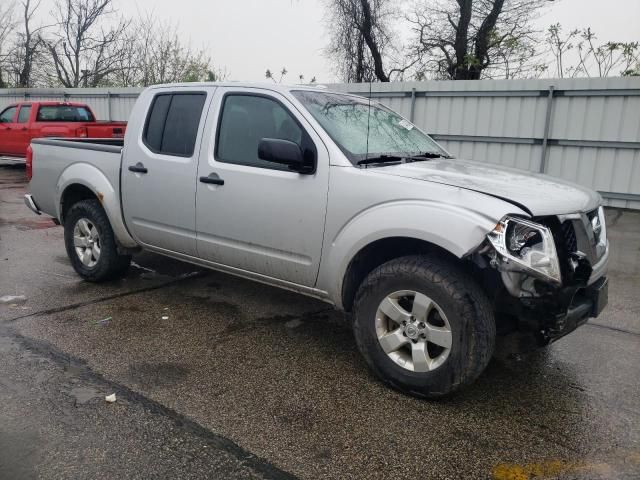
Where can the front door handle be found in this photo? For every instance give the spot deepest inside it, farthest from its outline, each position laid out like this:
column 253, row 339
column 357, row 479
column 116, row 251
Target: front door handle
column 138, row 168
column 213, row 179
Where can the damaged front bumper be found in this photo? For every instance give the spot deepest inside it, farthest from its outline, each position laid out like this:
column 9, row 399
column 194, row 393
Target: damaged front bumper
column 534, row 308
column 537, row 322
column 587, row 303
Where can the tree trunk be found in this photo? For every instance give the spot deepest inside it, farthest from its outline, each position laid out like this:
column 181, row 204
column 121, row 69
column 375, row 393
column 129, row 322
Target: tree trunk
column 459, row 71
column 367, row 27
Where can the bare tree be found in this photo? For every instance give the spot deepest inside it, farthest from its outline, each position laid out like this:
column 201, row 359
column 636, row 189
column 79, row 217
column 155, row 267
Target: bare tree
column 473, row 39
column 7, row 24
column 361, row 40
column 154, row 53
column 28, row 46
column 578, row 54
column 85, row 49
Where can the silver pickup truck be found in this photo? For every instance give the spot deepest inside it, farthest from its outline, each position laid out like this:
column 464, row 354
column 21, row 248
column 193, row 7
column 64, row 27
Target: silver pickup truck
column 440, row 261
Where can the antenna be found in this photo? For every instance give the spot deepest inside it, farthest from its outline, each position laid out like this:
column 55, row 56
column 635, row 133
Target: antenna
column 368, row 119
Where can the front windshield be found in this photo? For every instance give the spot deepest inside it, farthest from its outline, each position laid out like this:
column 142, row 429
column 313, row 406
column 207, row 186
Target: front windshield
column 363, row 133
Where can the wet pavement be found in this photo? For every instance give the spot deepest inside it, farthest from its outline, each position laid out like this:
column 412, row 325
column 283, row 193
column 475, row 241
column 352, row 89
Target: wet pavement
column 218, row 377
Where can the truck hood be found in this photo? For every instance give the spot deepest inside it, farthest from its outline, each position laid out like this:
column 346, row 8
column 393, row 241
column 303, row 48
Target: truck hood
column 535, row 193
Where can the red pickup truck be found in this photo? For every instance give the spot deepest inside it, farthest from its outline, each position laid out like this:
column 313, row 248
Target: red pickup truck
column 22, row 122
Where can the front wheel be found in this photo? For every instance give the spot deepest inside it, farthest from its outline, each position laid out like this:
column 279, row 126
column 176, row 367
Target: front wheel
column 91, row 244
column 423, row 325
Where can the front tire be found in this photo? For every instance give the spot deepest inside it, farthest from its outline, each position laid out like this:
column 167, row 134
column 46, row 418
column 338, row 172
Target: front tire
column 91, row 244
column 423, row 325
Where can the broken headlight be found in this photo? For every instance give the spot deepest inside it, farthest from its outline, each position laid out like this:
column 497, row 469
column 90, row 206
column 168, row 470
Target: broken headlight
column 529, row 246
column 599, row 226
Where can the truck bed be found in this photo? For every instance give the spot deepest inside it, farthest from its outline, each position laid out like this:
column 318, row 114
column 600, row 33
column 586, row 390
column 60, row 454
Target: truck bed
column 57, row 161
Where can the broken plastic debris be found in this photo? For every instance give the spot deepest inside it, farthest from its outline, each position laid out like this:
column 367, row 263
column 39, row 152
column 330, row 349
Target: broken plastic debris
column 110, row 398
column 104, row 321
column 13, row 299
column 134, row 264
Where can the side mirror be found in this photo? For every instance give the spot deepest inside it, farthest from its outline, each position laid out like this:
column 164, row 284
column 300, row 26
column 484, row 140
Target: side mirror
column 286, row 153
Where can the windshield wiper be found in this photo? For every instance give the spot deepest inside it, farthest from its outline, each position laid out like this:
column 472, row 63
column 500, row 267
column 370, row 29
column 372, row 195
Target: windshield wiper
column 430, row 155
column 417, row 157
column 382, row 159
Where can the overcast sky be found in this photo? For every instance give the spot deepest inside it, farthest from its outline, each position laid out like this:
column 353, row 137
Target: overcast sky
column 249, row 36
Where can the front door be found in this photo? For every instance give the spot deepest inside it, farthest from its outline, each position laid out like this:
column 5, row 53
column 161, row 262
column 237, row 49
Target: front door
column 7, row 131
column 264, row 218
column 159, row 168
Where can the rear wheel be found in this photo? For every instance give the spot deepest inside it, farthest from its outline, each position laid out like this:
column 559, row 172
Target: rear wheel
column 423, row 325
column 90, row 243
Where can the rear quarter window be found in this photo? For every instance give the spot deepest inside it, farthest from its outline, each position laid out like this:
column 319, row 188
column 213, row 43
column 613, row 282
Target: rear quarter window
column 172, row 123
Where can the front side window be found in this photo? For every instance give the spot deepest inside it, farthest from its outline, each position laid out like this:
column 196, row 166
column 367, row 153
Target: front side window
column 7, row 115
column 364, row 129
column 25, row 113
column 247, row 119
column 172, row 124
column 64, row 113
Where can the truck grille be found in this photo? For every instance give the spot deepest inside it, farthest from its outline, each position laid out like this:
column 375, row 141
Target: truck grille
column 578, row 235
column 569, row 237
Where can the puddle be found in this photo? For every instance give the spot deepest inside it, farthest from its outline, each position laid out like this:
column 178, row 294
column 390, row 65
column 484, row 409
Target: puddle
column 160, row 374
column 25, row 224
column 84, row 395
column 13, row 299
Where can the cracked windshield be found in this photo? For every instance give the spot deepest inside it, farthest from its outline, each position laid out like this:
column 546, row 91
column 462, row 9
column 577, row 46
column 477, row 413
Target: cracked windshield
column 362, row 131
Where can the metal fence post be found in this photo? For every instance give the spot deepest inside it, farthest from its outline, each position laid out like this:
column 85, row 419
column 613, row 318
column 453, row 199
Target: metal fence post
column 413, row 104
column 547, row 128
column 108, row 105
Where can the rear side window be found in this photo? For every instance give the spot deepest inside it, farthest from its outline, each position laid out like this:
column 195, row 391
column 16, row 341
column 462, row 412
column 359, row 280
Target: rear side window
column 172, row 123
column 7, row 115
column 25, row 112
column 64, row 113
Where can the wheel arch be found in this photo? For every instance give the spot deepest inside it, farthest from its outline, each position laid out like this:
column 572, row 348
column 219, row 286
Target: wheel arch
column 73, row 194
column 392, row 230
column 379, row 252
column 81, row 181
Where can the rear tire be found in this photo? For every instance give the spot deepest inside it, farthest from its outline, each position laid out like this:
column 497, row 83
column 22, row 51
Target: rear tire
column 91, row 244
column 448, row 335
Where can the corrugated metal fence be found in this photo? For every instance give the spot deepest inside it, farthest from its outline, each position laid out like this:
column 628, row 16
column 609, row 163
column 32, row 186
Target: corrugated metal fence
column 583, row 130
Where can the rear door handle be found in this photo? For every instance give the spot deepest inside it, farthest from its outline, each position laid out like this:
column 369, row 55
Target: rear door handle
column 213, row 179
column 138, row 168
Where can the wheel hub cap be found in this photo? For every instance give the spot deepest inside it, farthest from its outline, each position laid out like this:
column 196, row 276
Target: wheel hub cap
column 413, row 331
column 86, row 241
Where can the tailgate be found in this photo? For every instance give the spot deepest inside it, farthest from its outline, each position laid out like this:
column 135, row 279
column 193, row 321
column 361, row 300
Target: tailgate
column 106, row 129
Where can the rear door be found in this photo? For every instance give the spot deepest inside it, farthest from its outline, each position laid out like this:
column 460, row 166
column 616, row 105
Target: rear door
column 7, row 130
column 159, row 169
column 264, row 218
